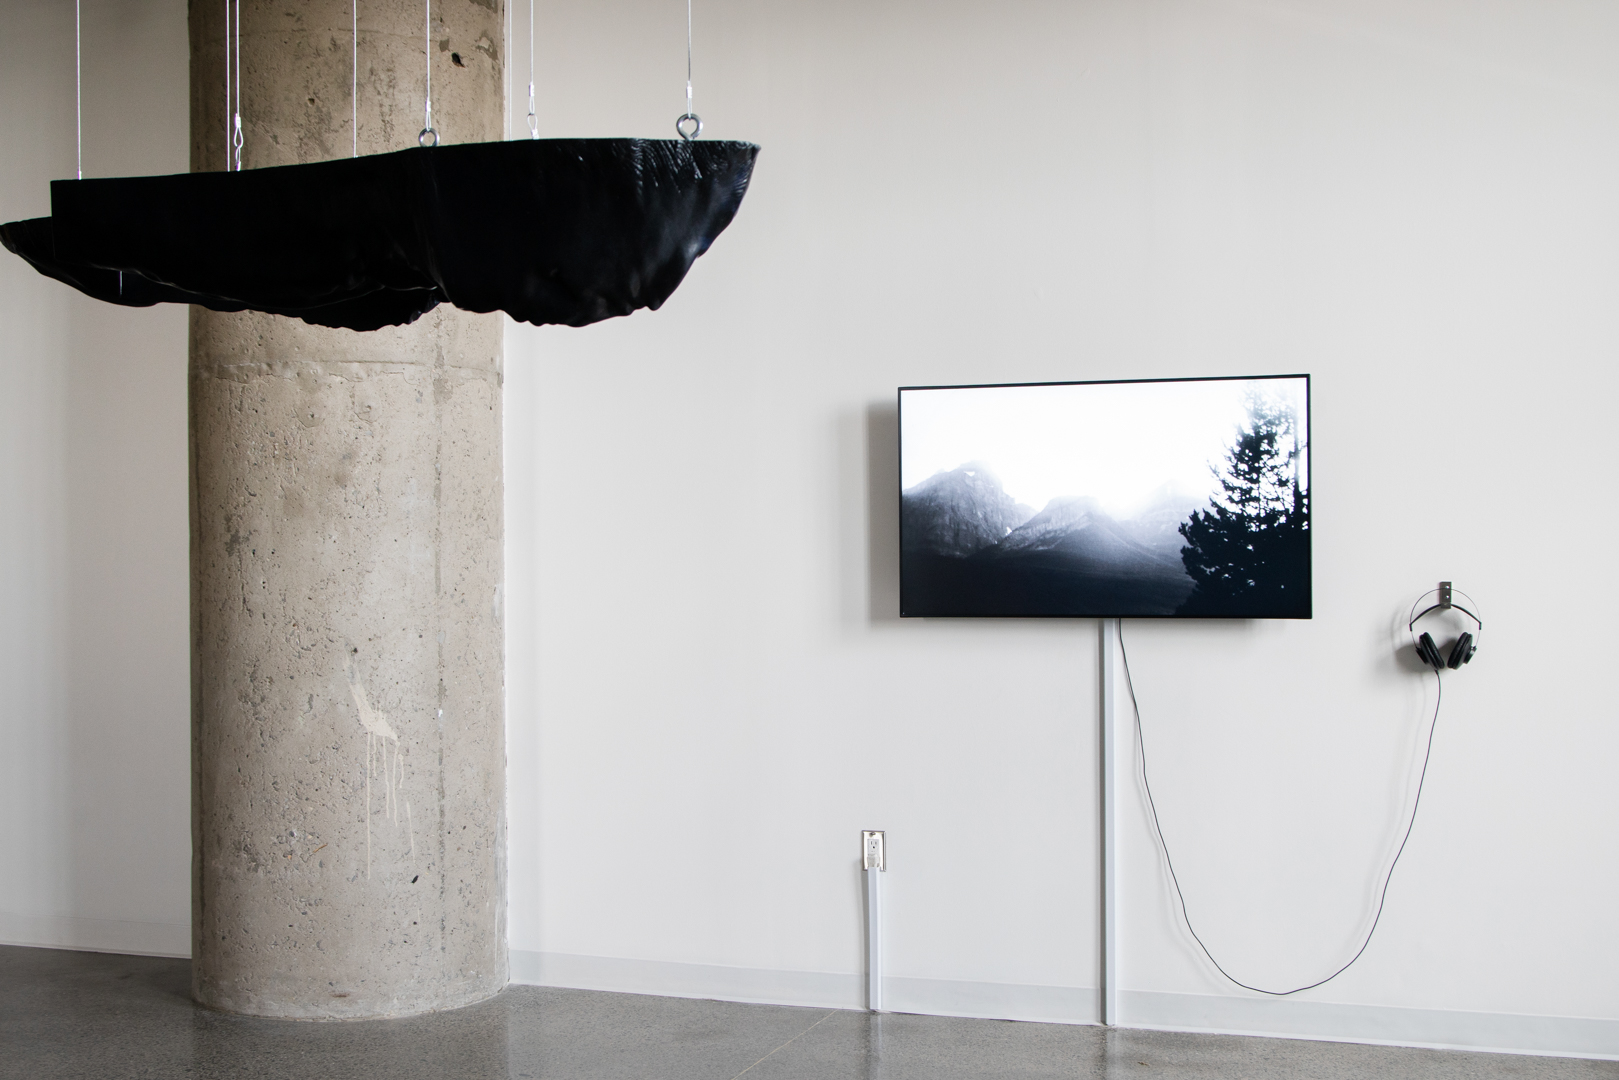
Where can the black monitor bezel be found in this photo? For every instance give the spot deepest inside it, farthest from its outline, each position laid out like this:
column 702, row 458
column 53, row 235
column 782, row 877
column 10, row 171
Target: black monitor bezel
column 899, row 495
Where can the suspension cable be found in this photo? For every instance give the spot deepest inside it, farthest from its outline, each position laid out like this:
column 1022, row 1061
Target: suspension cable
column 506, row 71
column 236, row 138
column 689, row 125
column 354, row 77
column 227, row 86
column 428, row 137
column 533, row 118
column 78, row 82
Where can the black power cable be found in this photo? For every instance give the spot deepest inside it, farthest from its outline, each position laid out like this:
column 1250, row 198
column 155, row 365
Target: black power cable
column 1141, row 741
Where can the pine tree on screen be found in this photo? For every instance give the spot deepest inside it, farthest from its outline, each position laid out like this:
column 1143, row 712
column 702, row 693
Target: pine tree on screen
column 1248, row 553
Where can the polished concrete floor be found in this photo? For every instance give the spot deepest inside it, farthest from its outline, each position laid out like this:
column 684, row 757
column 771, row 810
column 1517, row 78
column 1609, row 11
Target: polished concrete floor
column 93, row 1015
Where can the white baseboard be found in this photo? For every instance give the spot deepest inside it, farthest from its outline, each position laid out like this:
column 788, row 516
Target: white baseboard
column 96, row 935
column 992, row 1001
column 817, row 989
column 1442, row 1029
column 1561, row 1036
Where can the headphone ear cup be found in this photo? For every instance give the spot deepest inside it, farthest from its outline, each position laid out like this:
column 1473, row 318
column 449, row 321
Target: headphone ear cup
column 1429, row 652
column 1462, row 652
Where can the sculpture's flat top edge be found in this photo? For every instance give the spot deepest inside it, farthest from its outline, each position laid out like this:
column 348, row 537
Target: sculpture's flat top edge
column 729, row 146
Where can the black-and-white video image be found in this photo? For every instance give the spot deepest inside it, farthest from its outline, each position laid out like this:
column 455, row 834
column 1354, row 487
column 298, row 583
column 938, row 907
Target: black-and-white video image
column 1181, row 498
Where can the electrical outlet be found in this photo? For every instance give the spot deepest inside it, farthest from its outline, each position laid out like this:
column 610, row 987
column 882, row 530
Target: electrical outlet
column 873, row 856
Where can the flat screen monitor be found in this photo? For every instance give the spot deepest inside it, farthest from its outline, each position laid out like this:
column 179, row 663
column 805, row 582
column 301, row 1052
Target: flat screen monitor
column 1149, row 498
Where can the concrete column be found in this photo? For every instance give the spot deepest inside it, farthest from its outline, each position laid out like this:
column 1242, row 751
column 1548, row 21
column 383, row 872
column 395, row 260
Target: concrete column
column 348, row 750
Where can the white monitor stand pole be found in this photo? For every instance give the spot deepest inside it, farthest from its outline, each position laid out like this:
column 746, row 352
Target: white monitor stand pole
column 1110, row 824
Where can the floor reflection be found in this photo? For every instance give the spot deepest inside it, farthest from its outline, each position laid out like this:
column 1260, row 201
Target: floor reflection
column 72, row 1015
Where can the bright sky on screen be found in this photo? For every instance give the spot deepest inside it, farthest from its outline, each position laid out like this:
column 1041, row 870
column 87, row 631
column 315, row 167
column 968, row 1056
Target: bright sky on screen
column 1118, row 442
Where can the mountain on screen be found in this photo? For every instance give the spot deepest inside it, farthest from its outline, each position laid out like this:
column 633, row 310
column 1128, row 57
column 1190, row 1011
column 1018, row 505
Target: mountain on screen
column 959, row 512
column 969, row 548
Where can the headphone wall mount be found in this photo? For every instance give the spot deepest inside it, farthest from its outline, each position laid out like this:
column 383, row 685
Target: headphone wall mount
column 1459, row 652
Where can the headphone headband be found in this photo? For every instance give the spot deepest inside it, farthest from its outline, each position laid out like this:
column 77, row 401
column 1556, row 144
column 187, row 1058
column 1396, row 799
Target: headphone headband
column 1442, row 607
column 1444, row 592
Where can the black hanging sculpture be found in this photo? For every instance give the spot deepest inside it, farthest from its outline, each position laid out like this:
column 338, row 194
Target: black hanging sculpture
column 567, row 231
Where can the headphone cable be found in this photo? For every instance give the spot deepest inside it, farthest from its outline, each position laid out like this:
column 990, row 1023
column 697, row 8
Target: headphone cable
column 1141, row 741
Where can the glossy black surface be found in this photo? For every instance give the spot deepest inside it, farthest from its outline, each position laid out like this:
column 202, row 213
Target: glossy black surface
column 567, row 231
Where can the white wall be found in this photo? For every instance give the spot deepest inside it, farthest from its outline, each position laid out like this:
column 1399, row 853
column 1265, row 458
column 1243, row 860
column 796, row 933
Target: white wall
column 710, row 691
column 95, row 775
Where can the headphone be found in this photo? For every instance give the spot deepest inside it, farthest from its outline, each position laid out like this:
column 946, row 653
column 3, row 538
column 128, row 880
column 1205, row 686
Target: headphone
column 1463, row 649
